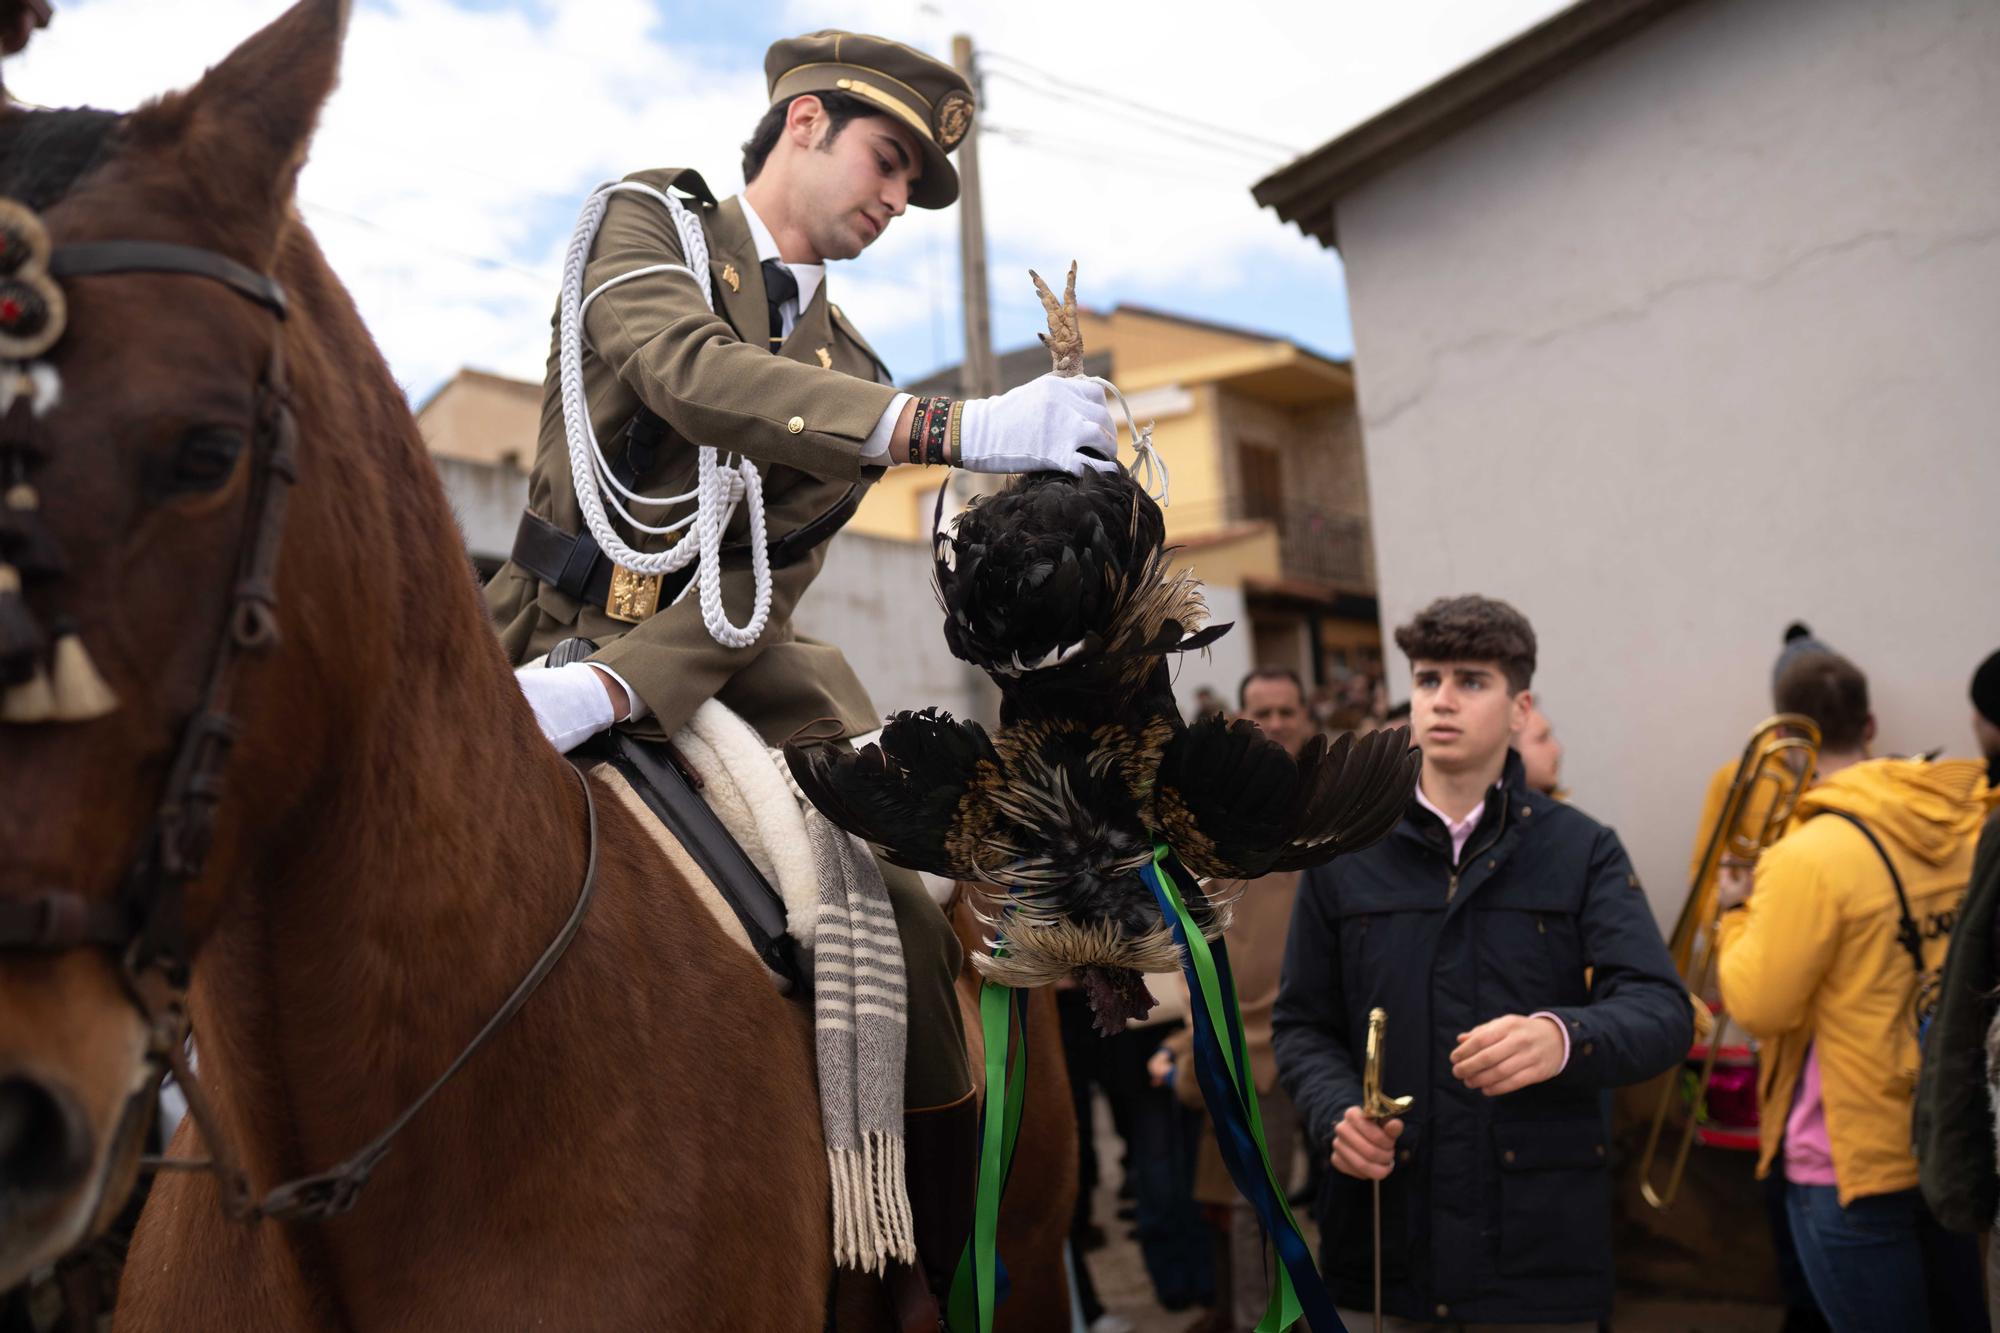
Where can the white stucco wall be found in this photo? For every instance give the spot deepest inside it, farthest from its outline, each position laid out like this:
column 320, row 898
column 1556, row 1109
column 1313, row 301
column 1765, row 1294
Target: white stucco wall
column 874, row 601
column 1226, row 661
column 1702, row 337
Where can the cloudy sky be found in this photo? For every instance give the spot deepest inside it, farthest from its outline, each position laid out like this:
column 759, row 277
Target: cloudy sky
column 450, row 164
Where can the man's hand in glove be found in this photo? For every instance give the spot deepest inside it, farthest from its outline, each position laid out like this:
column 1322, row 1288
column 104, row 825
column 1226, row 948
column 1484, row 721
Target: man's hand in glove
column 573, row 703
column 1052, row 424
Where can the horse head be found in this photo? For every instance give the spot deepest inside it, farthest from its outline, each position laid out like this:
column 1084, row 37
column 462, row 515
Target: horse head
column 155, row 660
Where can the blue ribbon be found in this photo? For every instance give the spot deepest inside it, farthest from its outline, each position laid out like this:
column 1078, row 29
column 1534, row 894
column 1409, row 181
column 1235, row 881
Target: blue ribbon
column 1232, row 1105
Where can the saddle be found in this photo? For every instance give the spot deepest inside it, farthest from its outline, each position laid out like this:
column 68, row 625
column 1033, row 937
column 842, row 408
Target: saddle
column 671, row 790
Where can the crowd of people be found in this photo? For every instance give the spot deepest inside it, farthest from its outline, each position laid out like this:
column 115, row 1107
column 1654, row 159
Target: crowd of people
column 1524, row 976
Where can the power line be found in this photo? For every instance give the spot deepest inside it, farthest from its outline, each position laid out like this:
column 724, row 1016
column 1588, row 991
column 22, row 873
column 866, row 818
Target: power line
column 1153, row 112
column 1123, row 161
column 463, row 256
column 1179, row 135
column 1176, row 157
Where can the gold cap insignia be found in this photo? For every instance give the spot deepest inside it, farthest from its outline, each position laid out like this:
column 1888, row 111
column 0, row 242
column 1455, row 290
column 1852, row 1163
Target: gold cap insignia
column 825, row 358
column 729, row 276
column 951, row 119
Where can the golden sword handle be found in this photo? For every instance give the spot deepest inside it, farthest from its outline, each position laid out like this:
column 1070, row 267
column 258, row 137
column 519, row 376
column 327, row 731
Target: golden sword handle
column 1378, row 1108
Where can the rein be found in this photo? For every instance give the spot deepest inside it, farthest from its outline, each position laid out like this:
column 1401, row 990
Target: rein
column 146, row 924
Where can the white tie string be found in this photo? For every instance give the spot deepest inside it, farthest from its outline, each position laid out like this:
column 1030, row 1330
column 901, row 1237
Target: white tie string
column 1148, row 468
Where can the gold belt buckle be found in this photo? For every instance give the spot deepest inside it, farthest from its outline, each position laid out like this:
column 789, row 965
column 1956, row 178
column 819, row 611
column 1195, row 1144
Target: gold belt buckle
column 632, row 597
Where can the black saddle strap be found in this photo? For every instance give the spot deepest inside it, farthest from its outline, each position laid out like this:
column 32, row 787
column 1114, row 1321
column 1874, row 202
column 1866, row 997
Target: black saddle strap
column 651, row 770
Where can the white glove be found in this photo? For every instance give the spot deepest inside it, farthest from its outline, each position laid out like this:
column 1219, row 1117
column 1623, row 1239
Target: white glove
column 1046, row 425
column 570, row 702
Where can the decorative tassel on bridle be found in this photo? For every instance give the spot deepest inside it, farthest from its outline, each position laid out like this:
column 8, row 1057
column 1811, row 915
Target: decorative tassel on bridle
column 46, row 675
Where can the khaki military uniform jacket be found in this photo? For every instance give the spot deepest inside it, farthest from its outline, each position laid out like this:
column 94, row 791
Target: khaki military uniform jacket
column 801, row 415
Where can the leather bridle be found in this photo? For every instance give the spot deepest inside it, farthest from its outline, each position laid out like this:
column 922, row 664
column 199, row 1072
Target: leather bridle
column 145, row 924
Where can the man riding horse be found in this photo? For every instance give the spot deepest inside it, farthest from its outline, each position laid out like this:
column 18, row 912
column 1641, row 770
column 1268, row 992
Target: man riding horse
column 859, row 128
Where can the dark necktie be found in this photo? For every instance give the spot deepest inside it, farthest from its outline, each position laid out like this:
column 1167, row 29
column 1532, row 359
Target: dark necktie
column 779, row 287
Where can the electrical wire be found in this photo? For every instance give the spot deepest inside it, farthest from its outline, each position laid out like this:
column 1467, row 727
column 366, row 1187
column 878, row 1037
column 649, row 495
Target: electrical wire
column 1180, row 137
column 1125, row 160
column 484, row 262
column 1059, row 86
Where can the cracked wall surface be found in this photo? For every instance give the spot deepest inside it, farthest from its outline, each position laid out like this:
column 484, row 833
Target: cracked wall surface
column 1695, row 340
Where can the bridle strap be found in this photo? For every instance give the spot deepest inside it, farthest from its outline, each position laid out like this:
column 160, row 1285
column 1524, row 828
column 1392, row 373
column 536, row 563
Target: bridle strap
column 57, row 921
column 85, row 258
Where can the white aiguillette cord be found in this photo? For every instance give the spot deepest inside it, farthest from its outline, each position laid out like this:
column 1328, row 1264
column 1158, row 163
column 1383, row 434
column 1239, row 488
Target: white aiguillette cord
column 718, row 485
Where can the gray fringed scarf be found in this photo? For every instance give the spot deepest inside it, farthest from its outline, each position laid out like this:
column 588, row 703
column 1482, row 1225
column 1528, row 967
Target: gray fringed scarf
column 859, row 1021
column 838, row 910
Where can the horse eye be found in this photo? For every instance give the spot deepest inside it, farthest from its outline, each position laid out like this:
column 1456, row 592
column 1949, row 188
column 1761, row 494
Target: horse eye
column 203, row 460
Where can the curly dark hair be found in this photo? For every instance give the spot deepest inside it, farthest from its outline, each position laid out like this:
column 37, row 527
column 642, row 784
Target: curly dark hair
column 840, row 108
column 1473, row 629
column 1830, row 690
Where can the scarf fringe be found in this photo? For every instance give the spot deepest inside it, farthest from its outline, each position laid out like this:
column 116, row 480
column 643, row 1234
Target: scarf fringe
column 871, row 1206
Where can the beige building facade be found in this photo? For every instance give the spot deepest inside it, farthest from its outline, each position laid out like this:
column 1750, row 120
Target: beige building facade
column 1678, row 322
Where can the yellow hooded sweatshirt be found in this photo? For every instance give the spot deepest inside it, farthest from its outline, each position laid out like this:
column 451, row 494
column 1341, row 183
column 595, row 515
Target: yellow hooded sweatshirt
column 1814, row 956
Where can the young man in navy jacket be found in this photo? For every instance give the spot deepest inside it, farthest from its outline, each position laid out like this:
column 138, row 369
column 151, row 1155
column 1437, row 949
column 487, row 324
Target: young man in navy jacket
column 1473, row 925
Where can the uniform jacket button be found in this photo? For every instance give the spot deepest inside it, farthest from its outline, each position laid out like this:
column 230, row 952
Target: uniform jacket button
column 1508, row 1157
column 795, row 425
column 1403, row 1155
column 1443, row 1310
column 1589, row 1047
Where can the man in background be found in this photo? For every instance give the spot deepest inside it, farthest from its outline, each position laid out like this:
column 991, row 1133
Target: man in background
column 1986, row 715
column 1541, row 754
column 1829, row 953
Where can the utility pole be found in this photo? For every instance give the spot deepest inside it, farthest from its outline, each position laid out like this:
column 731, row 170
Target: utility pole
column 979, row 375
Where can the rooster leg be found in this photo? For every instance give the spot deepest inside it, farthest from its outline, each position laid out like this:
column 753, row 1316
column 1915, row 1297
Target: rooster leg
column 1064, row 338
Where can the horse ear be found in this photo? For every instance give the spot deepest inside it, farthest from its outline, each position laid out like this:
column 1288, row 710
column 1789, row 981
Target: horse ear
column 251, row 118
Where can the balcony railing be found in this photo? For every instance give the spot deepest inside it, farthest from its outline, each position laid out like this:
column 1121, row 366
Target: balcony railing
column 1316, row 543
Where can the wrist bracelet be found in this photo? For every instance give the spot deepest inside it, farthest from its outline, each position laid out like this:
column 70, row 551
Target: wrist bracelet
column 951, row 444
column 914, row 446
column 937, row 425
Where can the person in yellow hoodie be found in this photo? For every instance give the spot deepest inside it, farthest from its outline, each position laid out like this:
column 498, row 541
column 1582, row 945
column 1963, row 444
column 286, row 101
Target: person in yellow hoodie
column 1829, row 955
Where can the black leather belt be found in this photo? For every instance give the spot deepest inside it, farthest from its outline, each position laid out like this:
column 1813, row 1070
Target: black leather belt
column 572, row 563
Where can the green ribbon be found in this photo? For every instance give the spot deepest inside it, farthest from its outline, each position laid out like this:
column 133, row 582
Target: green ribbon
column 1226, row 1018
column 974, row 1285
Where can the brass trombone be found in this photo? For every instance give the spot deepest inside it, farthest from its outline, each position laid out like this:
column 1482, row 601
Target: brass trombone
column 1776, row 767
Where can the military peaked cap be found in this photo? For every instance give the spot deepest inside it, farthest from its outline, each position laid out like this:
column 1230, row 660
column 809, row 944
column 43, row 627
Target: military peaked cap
column 928, row 96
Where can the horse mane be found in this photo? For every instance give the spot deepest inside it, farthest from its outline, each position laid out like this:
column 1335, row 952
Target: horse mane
column 43, row 154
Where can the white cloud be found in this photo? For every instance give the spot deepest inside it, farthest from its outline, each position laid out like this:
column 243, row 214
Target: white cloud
column 449, row 164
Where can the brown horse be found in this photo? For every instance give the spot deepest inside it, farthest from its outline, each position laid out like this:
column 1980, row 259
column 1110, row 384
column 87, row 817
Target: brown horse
column 394, row 848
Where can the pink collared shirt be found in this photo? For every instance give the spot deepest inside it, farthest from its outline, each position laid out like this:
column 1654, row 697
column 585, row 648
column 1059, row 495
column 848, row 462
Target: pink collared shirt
column 1459, row 831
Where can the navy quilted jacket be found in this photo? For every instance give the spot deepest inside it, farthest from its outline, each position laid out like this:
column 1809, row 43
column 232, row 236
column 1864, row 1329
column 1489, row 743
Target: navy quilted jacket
column 1499, row 1209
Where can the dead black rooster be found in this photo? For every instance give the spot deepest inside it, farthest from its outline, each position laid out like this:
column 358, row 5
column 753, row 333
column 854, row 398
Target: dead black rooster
column 1058, row 588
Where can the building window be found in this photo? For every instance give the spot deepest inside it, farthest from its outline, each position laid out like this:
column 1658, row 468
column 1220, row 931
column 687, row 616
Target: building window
column 1263, row 482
